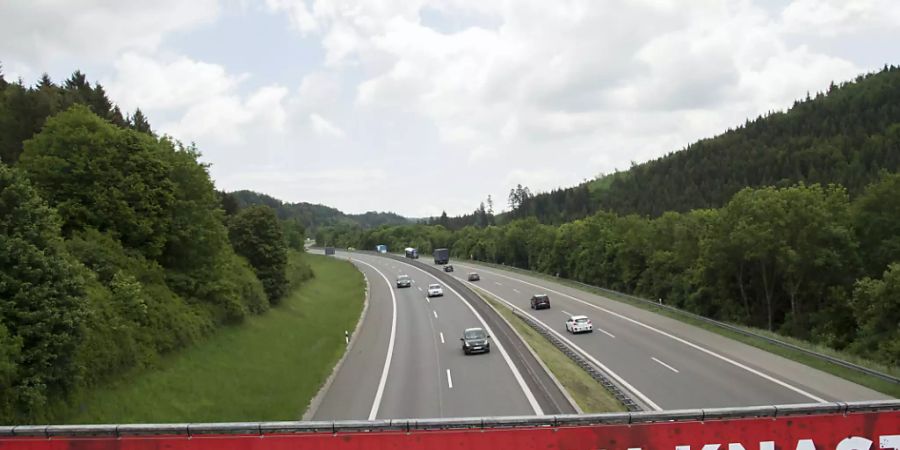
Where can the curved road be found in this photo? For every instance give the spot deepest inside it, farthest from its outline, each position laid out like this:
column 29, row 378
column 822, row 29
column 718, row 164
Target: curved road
column 667, row 363
column 421, row 372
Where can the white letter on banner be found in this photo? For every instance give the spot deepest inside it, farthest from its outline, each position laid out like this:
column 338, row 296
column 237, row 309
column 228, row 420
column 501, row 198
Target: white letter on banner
column 806, row 444
column 705, row 447
column 890, row 441
column 854, row 443
column 763, row 445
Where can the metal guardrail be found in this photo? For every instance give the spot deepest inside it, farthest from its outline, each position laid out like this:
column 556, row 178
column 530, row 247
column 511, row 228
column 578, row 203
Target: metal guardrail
column 724, row 325
column 409, row 425
column 596, row 374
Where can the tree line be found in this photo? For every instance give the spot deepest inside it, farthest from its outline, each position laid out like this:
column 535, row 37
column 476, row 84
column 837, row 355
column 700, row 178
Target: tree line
column 115, row 248
column 802, row 260
column 845, row 135
column 312, row 216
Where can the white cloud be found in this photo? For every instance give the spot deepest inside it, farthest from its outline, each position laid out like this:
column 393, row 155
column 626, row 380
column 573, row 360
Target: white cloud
column 539, row 180
column 202, row 101
column 323, row 127
column 495, row 93
column 154, row 83
column 837, row 17
column 41, row 31
column 297, row 11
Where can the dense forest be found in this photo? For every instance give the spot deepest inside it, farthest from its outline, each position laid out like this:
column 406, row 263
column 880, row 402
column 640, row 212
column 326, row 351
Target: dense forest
column 114, row 247
column 790, row 223
column 802, row 260
column 846, row 135
column 311, row 216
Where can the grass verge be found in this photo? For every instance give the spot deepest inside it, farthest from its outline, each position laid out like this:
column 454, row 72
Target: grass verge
column 267, row 368
column 871, row 382
column 590, row 395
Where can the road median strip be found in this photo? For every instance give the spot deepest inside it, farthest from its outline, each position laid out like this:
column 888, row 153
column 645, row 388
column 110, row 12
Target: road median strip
column 589, row 394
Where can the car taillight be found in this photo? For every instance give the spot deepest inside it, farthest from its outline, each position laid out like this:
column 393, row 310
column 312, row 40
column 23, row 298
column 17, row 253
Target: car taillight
column 590, row 323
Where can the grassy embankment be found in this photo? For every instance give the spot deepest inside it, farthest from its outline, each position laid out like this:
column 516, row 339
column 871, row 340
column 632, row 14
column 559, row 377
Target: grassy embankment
column 590, row 395
column 267, row 368
column 875, row 383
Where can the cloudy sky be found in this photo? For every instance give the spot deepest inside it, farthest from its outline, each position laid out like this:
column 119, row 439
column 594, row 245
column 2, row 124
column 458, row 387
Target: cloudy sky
column 419, row 106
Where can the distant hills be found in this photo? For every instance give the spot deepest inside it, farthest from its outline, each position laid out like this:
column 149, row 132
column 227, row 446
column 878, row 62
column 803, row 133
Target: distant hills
column 313, row 216
column 846, row 135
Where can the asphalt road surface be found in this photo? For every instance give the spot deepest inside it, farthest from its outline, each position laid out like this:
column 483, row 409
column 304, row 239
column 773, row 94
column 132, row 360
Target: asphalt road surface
column 667, row 363
column 407, row 361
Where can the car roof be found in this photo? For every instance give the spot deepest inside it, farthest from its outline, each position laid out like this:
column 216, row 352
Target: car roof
column 578, row 317
column 403, row 276
column 473, row 329
column 434, row 285
column 540, row 295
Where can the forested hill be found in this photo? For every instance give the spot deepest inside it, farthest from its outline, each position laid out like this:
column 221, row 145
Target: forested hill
column 313, row 216
column 846, row 135
column 114, row 248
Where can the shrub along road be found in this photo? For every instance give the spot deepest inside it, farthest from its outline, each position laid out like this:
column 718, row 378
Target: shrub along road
column 265, row 369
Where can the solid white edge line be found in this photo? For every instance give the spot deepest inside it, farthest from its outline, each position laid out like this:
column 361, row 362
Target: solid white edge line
column 518, row 376
column 390, row 353
column 449, row 380
column 587, row 355
column 665, row 365
column 676, row 338
column 442, row 338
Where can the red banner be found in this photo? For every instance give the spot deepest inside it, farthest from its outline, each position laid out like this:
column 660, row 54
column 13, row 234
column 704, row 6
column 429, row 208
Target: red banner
column 856, row 431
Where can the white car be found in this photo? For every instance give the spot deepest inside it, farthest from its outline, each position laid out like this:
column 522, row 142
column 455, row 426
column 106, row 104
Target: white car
column 435, row 290
column 579, row 324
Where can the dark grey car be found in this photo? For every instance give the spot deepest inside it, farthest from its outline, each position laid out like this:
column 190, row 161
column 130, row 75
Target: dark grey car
column 475, row 340
column 404, row 281
column 540, row 301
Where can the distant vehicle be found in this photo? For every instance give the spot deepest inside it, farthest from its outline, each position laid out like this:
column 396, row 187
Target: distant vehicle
column 404, row 281
column 329, row 251
column 381, row 248
column 412, row 253
column 448, row 268
column 540, row 301
column 441, row 256
column 475, row 340
column 474, row 276
column 579, row 324
column 435, row 290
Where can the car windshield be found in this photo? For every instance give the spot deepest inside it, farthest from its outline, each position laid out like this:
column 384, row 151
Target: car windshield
column 402, row 277
column 475, row 334
column 540, row 297
column 581, row 319
column 434, row 286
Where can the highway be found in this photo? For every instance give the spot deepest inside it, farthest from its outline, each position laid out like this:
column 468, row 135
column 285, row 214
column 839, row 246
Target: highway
column 407, row 362
column 668, row 364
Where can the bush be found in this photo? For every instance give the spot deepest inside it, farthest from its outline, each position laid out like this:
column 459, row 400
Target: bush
column 256, row 234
